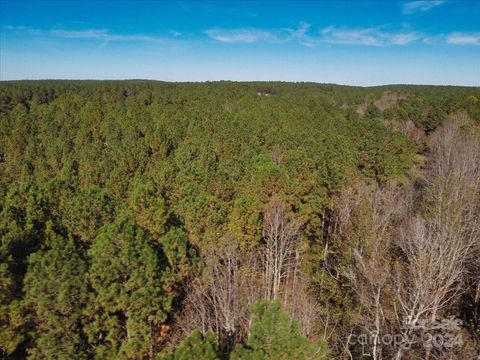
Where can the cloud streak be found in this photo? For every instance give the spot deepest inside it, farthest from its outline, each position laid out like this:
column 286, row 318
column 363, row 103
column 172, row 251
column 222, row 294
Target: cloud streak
column 21, row 29
column 329, row 35
column 246, row 36
column 89, row 34
column 252, row 35
column 104, row 35
column 463, row 39
column 367, row 36
column 420, row 6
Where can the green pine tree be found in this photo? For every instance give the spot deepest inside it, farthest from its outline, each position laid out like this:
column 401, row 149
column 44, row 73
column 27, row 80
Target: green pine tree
column 196, row 346
column 55, row 292
column 129, row 302
column 274, row 335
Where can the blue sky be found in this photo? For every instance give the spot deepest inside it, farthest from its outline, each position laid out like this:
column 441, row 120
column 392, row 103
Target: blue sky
column 356, row 43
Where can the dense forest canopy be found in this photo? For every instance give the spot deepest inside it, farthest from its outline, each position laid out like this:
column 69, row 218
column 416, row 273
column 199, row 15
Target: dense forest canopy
column 143, row 219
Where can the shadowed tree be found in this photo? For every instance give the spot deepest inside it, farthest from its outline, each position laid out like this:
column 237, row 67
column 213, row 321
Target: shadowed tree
column 56, row 293
column 130, row 302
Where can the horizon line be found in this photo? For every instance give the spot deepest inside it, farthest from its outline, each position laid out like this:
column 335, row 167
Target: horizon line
column 241, row 81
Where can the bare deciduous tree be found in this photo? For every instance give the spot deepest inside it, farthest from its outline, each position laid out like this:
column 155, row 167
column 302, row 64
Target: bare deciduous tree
column 281, row 235
column 439, row 244
column 364, row 215
column 220, row 299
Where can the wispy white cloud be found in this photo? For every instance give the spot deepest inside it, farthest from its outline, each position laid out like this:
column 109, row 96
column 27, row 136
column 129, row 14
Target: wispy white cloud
column 251, row 35
column 366, row 36
column 406, row 38
column 303, row 36
column 175, row 33
column 463, row 38
column 20, row 28
column 104, row 35
column 420, row 6
column 81, row 34
column 245, row 35
column 15, row 27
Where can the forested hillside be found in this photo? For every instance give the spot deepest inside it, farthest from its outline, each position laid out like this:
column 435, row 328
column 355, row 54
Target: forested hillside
column 150, row 220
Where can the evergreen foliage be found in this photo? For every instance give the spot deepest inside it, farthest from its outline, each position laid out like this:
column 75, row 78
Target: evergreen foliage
column 196, row 346
column 275, row 335
column 56, row 293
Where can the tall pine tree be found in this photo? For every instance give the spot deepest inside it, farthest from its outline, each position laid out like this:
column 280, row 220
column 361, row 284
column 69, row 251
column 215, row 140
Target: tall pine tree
column 274, row 335
column 55, row 293
column 129, row 302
